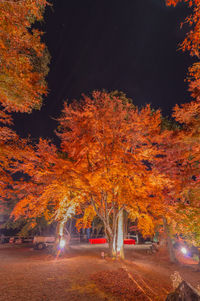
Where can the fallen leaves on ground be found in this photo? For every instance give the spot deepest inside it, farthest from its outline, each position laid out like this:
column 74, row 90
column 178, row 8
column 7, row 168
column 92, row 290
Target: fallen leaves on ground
column 118, row 284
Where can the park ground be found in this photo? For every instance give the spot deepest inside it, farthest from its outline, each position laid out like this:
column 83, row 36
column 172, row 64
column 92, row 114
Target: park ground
column 84, row 275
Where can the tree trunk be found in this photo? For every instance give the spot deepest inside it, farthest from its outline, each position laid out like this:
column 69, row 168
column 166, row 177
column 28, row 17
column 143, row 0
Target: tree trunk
column 70, row 226
column 120, row 235
column 125, row 224
column 116, row 239
column 115, row 231
column 57, row 249
column 169, row 241
column 111, row 249
column 110, row 242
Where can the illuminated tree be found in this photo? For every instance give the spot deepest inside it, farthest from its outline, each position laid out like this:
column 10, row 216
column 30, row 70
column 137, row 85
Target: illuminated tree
column 191, row 43
column 188, row 139
column 112, row 143
column 114, row 158
column 10, row 146
column 188, row 142
column 48, row 186
column 107, row 147
column 23, row 66
column 23, row 57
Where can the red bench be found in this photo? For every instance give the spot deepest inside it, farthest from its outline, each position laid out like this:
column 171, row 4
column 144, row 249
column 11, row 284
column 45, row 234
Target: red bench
column 129, row 241
column 98, row 241
column 104, row 240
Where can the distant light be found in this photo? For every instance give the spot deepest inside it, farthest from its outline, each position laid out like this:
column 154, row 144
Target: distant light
column 62, row 243
column 184, row 250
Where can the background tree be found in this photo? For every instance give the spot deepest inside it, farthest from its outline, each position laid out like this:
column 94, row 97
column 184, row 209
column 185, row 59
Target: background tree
column 188, row 115
column 191, row 43
column 189, row 160
column 48, row 186
column 23, row 57
column 23, row 66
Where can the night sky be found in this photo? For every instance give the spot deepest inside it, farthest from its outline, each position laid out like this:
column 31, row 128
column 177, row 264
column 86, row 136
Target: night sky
column 128, row 45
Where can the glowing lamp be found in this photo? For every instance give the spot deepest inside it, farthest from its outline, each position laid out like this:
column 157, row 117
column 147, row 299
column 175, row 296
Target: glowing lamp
column 184, row 250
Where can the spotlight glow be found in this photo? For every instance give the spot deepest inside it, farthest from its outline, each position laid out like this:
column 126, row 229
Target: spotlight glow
column 184, row 250
column 62, row 243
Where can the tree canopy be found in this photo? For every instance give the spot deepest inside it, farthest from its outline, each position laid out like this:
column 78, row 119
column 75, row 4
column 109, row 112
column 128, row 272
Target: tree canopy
column 23, row 57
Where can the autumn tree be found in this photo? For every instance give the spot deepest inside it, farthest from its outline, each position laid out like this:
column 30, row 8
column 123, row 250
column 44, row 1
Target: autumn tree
column 191, row 43
column 180, row 162
column 169, row 165
column 23, row 57
column 187, row 140
column 24, row 63
column 111, row 143
column 107, row 145
column 49, row 186
column 10, row 147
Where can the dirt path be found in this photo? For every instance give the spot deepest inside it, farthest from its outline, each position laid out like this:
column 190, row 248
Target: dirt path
column 26, row 274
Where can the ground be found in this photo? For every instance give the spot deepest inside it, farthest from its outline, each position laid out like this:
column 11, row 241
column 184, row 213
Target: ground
column 84, row 275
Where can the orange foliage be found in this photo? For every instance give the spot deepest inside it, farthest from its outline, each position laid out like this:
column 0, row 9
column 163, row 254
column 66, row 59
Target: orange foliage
column 45, row 192
column 109, row 140
column 189, row 143
column 187, row 139
column 192, row 43
column 22, row 55
column 10, row 146
column 23, row 66
column 189, row 114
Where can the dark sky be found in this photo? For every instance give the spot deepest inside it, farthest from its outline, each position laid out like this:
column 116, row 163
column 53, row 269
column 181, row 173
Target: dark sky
column 128, row 45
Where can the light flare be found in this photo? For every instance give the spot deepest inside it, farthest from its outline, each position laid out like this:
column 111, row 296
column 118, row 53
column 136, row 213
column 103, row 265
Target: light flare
column 184, row 250
column 62, row 243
